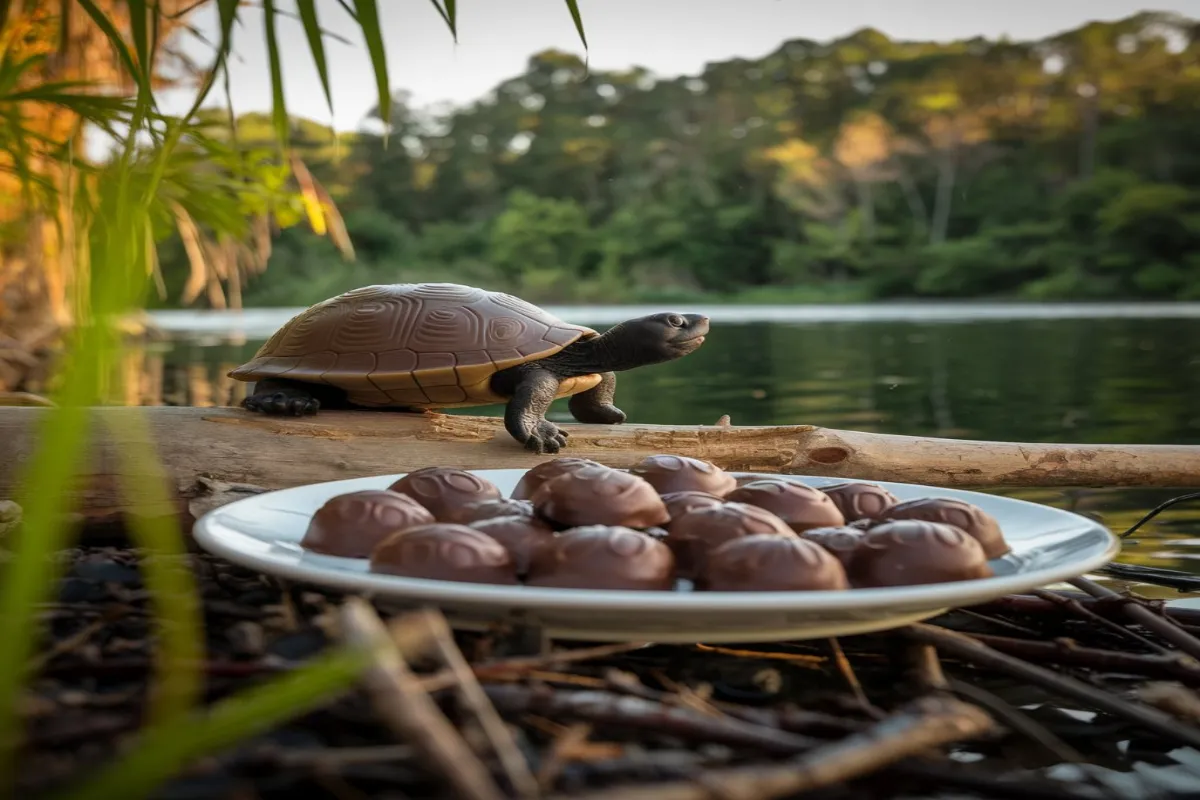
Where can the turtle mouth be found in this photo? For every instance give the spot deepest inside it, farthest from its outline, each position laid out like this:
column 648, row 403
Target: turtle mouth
column 690, row 343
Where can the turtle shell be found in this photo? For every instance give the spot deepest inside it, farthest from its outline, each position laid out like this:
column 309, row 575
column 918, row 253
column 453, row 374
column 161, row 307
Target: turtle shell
column 415, row 345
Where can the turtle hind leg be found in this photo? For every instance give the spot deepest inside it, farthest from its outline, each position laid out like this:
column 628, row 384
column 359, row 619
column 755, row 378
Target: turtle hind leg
column 595, row 406
column 284, row 398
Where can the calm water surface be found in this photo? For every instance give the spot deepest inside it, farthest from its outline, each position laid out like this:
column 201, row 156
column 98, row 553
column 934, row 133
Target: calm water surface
column 1091, row 374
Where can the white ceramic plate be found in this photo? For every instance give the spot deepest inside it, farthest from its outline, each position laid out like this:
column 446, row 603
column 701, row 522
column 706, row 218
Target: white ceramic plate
column 1048, row 545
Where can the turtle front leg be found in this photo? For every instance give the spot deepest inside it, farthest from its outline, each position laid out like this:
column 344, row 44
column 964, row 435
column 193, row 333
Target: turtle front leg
column 595, row 406
column 277, row 397
column 525, row 415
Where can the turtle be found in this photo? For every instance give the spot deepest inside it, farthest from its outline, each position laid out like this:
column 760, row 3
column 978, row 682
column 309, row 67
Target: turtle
column 422, row 346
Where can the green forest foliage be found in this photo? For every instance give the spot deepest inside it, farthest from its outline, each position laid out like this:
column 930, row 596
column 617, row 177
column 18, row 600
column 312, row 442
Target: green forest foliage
column 1065, row 168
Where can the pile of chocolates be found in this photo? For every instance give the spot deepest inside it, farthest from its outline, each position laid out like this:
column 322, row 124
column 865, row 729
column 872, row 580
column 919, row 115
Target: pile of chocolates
column 667, row 522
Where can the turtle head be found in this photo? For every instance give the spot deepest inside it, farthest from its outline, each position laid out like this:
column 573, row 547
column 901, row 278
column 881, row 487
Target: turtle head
column 654, row 339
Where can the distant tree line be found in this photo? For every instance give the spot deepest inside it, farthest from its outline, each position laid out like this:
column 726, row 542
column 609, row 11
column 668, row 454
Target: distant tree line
column 1065, row 168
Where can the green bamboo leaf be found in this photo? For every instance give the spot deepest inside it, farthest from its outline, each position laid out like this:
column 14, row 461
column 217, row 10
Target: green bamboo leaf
column 162, row 751
column 573, row 7
column 348, row 9
column 452, row 18
column 114, row 37
column 308, row 15
column 227, row 12
column 12, row 71
column 368, row 20
column 279, row 110
column 137, row 26
column 445, row 17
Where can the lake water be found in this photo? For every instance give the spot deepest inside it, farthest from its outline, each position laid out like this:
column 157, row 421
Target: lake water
column 1036, row 373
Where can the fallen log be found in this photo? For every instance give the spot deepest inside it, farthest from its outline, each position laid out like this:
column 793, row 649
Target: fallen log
column 233, row 446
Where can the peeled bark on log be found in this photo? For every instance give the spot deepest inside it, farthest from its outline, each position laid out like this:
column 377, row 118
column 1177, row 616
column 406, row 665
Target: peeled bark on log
column 201, row 447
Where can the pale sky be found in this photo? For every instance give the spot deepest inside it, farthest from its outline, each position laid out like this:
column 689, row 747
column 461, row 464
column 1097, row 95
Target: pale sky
column 669, row 37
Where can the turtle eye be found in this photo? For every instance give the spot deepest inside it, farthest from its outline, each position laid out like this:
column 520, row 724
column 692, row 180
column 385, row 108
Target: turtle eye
column 675, row 321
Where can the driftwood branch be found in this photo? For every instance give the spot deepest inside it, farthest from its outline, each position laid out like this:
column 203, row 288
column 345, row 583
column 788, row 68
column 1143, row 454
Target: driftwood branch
column 236, row 447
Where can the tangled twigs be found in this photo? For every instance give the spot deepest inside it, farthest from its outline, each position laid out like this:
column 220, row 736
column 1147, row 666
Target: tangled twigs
column 408, row 709
column 609, row 708
column 1035, row 606
column 971, row 650
column 515, row 766
column 1163, row 626
column 925, row 724
column 926, row 667
column 1065, row 651
column 525, row 664
column 1077, row 608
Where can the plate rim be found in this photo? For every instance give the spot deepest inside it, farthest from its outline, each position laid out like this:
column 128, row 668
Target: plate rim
column 213, row 535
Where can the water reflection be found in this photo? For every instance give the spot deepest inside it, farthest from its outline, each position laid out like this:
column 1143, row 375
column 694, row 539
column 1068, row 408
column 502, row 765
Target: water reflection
column 1083, row 379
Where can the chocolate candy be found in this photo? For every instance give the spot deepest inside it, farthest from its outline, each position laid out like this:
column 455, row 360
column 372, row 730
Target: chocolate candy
column 520, row 535
column 351, row 525
column 546, row 470
column 769, row 563
column 860, row 500
column 603, row 557
column 698, row 531
column 799, row 505
column 445, row 552
column 679, row 503
column 443, row 490
column 978, row 524
column 668, row 474
column 488, row 509
column 912, row 551
column 842, row 541
column 598, row 495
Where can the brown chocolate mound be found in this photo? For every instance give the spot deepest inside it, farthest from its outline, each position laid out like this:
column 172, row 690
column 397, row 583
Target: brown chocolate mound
column 911, row 552
column 843, row 541
column 978, row 524
column 537, row 475
column 351, row 525
column 598, row 495
column 445, row 552
column 443, row 490
column 488, row 509
column 799, row 505
column 679, row 503
column 769, row 563
column 669, row 474
column 603, row 557
column 693, row 535
column 860, row 500
column 520, row 535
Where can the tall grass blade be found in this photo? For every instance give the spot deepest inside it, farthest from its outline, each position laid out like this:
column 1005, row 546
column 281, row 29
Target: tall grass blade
column 445, row 17
column 308, row 16
column 279, row 110
column 31, row 576
column 368, row 20
column 573, row 7
column 175, row 599
column 163, row 750
column 140, row 76
column 227, row 15
column 141, row 38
